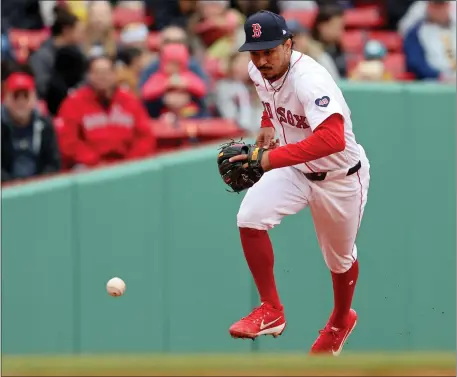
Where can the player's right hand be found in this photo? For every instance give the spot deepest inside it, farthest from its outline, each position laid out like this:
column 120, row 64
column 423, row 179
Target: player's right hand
column 266, row 137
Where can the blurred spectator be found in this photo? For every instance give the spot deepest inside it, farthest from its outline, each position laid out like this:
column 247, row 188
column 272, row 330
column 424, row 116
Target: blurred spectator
column 68, row 73
column 372, row 68
column 396, row 10
column 173, row 35
column 7, row 52
column 236, row 97
column 170, row 12
column 304, row 43
column 417, row 11
column 136, row 35
column 100, row 123
column 29, row 146
column 174, row 87
column 328, row 30
column 77, row 7
column 66, row 31
column 290, row 5
column 129, row 65
column 47, row 12
column 218, row 30
column 8, row 67
column 430, row 46
column 130, row 4
column 5, row 72
column 100, row 33
column 21, row 14
column 249, row 7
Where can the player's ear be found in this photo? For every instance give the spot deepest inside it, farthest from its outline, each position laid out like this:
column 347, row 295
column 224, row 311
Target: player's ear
column 288, row 44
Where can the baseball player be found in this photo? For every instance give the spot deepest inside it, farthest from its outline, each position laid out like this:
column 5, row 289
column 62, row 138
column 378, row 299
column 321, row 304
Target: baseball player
column 317, row 164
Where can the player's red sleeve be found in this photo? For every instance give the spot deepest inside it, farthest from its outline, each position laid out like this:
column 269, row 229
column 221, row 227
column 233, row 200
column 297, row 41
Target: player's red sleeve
column 327, row 138
column 144, row 143
column 266, row 121
column 72, row 146
column 154, row 87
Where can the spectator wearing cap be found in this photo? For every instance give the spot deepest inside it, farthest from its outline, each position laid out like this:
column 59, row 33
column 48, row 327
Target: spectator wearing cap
column 174, row 35
column 304, row 43
column 328, row 30
column 430, row 46
column 29, row 146
column 174, row 88
column 101, row 123
column 67, row 30
column 372, row 68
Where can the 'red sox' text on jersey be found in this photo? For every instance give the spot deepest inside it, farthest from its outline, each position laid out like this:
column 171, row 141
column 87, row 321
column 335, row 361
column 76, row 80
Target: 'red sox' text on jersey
column 302, row 102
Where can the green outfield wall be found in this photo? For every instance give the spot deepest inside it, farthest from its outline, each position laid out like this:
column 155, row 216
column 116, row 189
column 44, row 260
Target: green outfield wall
column 168, row 228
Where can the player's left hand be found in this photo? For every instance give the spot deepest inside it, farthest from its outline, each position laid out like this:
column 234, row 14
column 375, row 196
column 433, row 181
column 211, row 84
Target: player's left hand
column 242, row 165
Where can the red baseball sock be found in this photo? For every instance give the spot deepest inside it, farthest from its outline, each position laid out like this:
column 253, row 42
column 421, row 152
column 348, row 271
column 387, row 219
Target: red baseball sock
column 343, row 291
column 258, row 252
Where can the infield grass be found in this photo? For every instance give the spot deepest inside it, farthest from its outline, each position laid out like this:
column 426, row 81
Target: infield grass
column 349, row 364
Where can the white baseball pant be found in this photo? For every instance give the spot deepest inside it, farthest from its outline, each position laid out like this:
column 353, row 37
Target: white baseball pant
column 336, row 204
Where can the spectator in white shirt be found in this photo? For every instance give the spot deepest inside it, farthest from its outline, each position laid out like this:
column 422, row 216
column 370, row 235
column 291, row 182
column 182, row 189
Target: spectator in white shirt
column 430, row 45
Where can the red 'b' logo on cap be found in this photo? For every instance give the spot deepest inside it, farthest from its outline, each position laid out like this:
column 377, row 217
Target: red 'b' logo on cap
column 257, row 30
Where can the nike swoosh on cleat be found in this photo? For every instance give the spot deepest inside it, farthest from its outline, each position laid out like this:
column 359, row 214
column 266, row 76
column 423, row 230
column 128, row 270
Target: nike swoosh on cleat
column 264, row 325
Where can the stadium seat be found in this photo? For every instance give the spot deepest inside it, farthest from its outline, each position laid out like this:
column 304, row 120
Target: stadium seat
column 363, row 18
column 353, row 41
column 209, row 32
column 169, row 135
column 30, row 39
column 214, row 129
column 391, row 39
column 395, row 63
column 124, row 16
column 305, row 18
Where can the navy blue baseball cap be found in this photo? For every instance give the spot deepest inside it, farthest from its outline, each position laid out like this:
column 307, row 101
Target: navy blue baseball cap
column 264, row 30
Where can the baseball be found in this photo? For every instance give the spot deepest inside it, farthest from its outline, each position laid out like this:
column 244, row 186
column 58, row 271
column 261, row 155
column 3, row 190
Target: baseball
column 115, row 287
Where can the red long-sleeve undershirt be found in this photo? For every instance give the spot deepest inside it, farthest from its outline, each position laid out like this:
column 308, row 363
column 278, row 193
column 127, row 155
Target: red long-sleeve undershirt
column 327, row 138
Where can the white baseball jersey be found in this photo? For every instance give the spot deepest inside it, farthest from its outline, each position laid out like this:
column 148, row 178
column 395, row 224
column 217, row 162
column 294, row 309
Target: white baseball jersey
column 296, row 107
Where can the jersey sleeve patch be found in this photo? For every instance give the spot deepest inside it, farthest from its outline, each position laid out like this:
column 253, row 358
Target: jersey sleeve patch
column 323, row 101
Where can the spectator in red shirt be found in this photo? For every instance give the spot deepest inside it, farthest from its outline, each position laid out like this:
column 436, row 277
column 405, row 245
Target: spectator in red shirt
column 101, row 123
column 178, row 87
